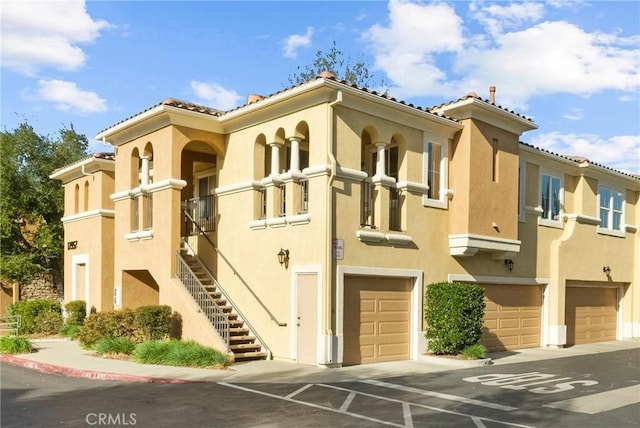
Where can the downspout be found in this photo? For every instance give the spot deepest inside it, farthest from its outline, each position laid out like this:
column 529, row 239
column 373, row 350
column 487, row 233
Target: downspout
column 329, row 231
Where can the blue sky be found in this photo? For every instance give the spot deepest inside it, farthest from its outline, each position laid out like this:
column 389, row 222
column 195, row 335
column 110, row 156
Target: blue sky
column 573, row 67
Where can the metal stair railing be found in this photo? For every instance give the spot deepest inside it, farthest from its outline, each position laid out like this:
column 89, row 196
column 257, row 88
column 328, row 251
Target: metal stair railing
column 207, row 304
column 224, row 295
column 235, row 272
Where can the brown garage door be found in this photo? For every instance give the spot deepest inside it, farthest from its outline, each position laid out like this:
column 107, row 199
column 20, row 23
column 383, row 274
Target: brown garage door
column 512, row 317
column 591, row 314
column 377, row 314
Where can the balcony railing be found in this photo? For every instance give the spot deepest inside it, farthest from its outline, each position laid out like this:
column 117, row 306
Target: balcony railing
column 366, row 205
column 202, row 210
column 304, row 196
column 394, row 210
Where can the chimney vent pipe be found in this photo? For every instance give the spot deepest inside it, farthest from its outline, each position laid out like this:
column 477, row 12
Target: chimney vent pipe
column 492, row 94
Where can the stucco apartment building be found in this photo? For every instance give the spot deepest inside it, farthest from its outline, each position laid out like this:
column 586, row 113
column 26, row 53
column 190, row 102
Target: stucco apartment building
column 306, row 225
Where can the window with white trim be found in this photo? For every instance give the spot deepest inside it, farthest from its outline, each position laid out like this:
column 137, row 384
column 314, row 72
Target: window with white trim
column 435, row 173
column 611, row 209
column 551, row 198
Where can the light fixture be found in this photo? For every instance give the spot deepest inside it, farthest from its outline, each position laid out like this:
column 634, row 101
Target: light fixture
column 509, row 264
column 283, row 258
column 607, row 271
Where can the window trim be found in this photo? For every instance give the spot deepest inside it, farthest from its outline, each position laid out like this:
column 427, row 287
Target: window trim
column 442, row 201
column 546, row 221
column 609, row 230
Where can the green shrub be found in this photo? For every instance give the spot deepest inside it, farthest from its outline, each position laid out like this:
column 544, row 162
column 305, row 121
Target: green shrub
column 154, row 321
column 48, row 323
column 70, row 330
column 15, row 345
column 114, row 345
column 30, row 309
column 179, row 353
column 76, row 312
column 454, row 315
column 475, row 352
column 108, row 324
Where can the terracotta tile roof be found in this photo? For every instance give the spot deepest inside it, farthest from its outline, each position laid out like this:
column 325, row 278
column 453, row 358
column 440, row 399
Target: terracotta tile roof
column 258, row 98
column 580, row 160
column 108, row 156
column 474, row 95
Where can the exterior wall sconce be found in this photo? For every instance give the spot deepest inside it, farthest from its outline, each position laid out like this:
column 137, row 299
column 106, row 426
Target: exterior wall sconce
column 508, row 264
column 283, row 258
column 607, row 271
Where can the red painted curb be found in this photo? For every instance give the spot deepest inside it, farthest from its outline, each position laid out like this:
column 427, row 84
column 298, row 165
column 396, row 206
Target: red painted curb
column 83, row 374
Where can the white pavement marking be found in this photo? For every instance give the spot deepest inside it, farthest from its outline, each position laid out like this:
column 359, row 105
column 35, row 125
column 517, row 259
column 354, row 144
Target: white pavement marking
column 405, row 406
column 298, row 391
column 406, row 413
column 422, row 406
column 317, row 406
column 600, row 402
column 440, row 395
column 478, row 422
column 347, row 401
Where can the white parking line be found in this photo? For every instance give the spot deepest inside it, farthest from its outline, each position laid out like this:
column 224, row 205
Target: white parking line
column 440, row 395
column 406, row 406
column 600, row 402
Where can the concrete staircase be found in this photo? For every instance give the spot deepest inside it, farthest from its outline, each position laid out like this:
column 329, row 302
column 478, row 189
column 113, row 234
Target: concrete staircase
column 242, row 342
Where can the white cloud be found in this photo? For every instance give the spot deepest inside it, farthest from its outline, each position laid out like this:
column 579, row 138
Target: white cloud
column 68, row 97
column 295, row 41
column 46, row 34
column 215, row 95
column 497, row 17
column 406, row 48
column 428, row 50
column 618, row 152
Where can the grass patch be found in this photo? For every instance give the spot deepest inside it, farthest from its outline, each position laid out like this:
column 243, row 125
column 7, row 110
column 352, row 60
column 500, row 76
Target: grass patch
column 114, row 346
column 179, row 353
column 70, row 330
column 475, row 352
column 15, row 345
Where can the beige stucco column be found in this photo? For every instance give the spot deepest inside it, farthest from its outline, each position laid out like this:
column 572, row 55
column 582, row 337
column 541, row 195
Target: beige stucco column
column 275, row 159
column 144, row 179
column 380, row 161
column 295, row 154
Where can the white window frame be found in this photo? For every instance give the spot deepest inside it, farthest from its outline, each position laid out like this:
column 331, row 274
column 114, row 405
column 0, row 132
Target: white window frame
column 547, row 221
column 522, row 190
column 441, row 202
column 608, row 229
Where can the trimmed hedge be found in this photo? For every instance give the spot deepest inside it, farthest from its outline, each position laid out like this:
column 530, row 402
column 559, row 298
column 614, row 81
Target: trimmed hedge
column 30, row 310
column 76, row 312
column 138, row 325
column 454, row 313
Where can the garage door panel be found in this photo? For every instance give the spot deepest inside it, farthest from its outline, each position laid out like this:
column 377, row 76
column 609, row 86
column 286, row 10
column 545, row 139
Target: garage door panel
column 591, row 314
column 512, row 316
column 379, row 330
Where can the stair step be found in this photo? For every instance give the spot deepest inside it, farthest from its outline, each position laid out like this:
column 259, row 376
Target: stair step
column 245, row 347
column 238, row 330
column 245, row 338
column 245, row 356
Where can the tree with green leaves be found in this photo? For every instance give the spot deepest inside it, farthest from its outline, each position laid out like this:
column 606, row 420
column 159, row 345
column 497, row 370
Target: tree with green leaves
column 31, row 204
column 341, row 66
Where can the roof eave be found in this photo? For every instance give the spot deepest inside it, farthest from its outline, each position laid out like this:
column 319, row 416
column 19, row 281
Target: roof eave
column 476, row 108
column 155, row 118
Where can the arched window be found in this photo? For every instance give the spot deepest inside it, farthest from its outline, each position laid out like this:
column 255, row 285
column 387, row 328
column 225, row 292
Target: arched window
column 76, row 199
column 86, row 196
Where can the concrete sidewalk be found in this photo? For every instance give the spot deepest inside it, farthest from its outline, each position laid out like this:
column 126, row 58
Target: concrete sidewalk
column 67, row 358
